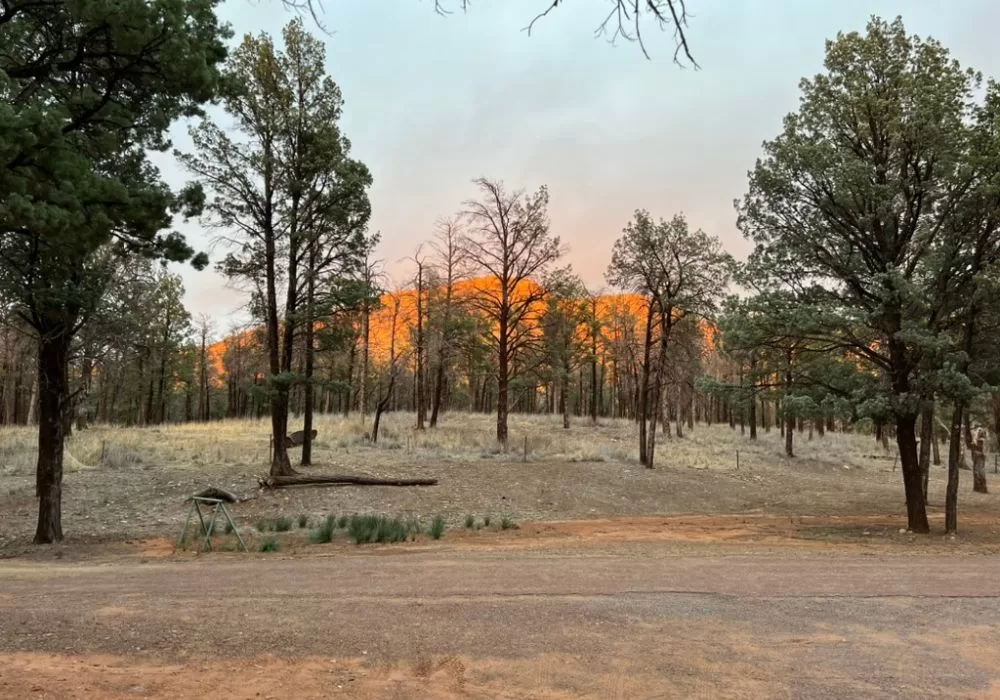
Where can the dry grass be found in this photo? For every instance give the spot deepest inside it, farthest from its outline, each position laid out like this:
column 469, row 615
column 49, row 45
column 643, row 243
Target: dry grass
column 459, row 437
column 138, row 487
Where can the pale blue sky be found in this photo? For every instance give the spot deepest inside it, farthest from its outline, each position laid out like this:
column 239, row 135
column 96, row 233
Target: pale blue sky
column 432, row 102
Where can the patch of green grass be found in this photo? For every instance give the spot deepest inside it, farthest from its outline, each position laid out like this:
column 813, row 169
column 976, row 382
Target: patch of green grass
column 270, row 545
column 303, row 521
column 486, row 521
column 324, row 533
column 470, row 521
column 437, row 528
column 342, row 522
column 283, row 524
column 365, row 529
column 508, row 524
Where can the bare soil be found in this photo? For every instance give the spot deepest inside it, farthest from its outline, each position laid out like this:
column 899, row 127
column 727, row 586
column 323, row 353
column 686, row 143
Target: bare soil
column 601, row 621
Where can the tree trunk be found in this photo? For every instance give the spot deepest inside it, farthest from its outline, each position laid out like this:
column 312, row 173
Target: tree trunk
column 381, row 406
column 979, row 471
column 906, row 440
column 421, row 379
column 594, row 387
column 438, row 393
column 789, row 436
column 954, row 456
column 564, row 397
column 642, row 404
column 503, row 377
column 926, row 437
column 310, row 356
column 53, row 391
column 789, row 418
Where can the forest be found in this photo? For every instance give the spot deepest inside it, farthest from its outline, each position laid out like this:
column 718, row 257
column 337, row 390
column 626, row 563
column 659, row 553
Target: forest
column 869, row 303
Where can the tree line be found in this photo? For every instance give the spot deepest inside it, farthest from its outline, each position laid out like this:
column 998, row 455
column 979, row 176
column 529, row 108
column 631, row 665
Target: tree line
column 869, row 298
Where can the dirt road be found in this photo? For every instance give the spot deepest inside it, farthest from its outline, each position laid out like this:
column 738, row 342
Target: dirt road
column 642, row 622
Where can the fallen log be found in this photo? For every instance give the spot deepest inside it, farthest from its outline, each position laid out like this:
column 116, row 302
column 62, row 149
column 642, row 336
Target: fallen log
column 280, row 482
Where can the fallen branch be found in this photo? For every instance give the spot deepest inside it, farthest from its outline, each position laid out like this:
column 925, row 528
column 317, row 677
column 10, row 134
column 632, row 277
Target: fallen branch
column 279, row 482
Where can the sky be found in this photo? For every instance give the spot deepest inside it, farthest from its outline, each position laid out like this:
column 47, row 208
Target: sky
column 432, row 102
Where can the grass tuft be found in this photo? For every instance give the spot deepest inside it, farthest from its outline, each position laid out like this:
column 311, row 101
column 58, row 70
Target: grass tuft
column 303, row 521
column 324, row 533
column 508, row 524
column 342, row 522
column 283, row 524
column 437, row 528
column 470, row 521
column 270, row 545
column 486, row 521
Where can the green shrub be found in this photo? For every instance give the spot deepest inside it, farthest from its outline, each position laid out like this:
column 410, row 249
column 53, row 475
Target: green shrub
column 270, row 545
column 508, row 524
column 324, row 533
column 262, row 525
column 342, row 522
column 303, row 520
column 470, row 521
column 486, row 521
column 437, row 527
column 283, row 524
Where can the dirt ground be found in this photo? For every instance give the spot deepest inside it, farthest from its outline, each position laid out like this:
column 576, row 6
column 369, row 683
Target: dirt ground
column 757, row 612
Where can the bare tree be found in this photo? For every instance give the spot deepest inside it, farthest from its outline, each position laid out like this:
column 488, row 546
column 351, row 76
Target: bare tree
column 625, row 20
column 205, row 329
column 452, row 264
column 419, row 345
column 395, row 363
column 508, row 238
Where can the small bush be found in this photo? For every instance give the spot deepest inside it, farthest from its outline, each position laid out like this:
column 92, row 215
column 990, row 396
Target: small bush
column 486, row 521
column 470, row 521
column 324, row 533
column 508, row 524
column 270, row 545
column 437, row 528
column 283, row 524
column 303, row 520
column 262, row 525
column 342, row 522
